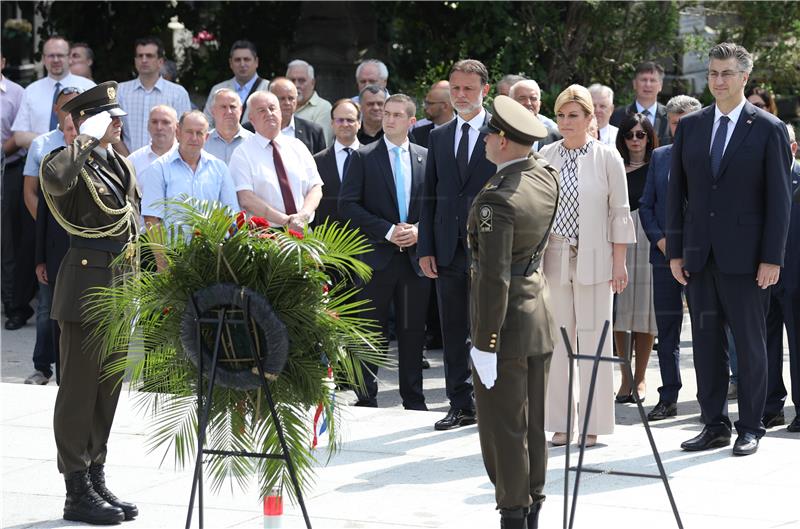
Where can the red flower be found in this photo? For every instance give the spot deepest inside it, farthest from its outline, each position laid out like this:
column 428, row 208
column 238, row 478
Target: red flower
column 166, row 311
column 241, row 218
column 296, row 234
column 198, row 233
column 205, row 36
column 325, row 288
column 258, row 222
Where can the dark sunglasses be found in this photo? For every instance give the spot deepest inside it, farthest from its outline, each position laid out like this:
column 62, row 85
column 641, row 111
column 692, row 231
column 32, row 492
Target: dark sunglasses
column 69, row 90
column 640, row 135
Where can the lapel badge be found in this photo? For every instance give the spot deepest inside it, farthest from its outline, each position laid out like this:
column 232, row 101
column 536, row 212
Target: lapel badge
column 419, row 158
column 111, row 92
column 749, row 121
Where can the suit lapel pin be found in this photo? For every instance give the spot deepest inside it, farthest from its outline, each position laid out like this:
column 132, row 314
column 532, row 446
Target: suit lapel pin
column 419, row 158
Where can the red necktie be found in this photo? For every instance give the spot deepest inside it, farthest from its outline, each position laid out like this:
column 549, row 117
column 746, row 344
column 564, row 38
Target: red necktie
column 283, row 181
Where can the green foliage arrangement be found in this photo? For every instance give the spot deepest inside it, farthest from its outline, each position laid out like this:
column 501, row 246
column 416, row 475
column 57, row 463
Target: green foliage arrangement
column 142, row 316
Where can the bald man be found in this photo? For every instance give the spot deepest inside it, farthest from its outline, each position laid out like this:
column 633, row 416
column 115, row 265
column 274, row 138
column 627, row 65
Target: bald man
column 306, row 131
column 438, row 110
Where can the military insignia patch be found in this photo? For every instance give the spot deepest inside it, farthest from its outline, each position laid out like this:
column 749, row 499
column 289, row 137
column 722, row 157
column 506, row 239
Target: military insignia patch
column 485, row 215
column 111, row 93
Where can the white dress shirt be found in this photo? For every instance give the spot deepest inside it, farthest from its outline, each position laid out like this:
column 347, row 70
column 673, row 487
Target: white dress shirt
column 253, row 169
column 341, row 155
column 142, row 158
column 734, row 117
column 474, row 124
column 405, row 160
column 652, row 109
column 608, row 134
column 37, row 102
column 288, row 131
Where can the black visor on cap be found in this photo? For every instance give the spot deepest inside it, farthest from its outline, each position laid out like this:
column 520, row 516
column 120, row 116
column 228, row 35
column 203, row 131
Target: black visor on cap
column 489, row 128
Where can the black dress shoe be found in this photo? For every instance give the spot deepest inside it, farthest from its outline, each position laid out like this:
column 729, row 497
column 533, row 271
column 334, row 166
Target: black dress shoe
column 707, row 439
column 425, row 363
column 513, row 519
column 84, row 504
column 533, row 516
column 98, row 478
column 15, row 322
column 366, row 403
column 794, row 426
column 456, row 418
column 625, row 399
column 771, row 421
column 662, row 411
column 746, row 444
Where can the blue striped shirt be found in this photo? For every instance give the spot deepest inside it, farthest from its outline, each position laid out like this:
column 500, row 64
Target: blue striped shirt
column 137, row 102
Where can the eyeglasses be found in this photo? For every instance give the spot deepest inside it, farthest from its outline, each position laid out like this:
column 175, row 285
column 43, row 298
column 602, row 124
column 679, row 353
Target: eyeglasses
column 725, row 74
column 69, row 90
column 343, row 121
column 640, row 135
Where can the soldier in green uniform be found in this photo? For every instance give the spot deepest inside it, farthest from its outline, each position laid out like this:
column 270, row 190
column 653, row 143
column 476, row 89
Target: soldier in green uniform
column 91, row 191
column 513, row 332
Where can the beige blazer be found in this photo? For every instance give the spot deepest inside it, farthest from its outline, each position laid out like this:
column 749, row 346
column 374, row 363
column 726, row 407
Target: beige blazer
column 604, row 215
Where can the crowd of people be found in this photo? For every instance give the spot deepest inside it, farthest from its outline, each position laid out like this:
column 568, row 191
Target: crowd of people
column 642, row 226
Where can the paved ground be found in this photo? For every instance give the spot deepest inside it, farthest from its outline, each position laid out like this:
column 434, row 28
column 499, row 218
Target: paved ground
column 395, row 471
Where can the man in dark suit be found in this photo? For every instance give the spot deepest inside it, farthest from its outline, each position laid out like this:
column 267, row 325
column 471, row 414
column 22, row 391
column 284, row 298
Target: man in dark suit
column 528, row 94
column 727, row 221
column 667, row 293
column 784, row 310
column 332, row 162
column 306, row 131
column 382, row 194
column 647, row 83
column 438, row 110
column 93, row 189
column 457, row 169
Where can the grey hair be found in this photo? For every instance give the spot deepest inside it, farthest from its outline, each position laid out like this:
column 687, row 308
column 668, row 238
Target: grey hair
column 223, row 91
column 301, row 62
column 511, row 79
column 383, row 71
column 730, row 50
column 197, row 113
column 372, row 89
column 260, row 93
column 602, row 91
column 530, row 83
column 790, row 132
column 683, row 105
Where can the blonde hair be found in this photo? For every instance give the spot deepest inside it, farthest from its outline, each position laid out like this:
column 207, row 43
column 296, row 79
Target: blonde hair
column 575, row 94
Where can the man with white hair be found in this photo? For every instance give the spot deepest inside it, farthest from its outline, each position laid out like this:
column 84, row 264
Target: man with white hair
column 603, row 99
column 528, row 94
column 371, row 72
column 310, row 106
column 161, row 125
column 226, row 109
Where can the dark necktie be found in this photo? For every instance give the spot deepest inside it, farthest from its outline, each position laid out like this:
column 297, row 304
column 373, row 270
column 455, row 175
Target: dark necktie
column 283, row 180
column 718, row 145
column 462, row 155
column 53, row 115
column 346, row 164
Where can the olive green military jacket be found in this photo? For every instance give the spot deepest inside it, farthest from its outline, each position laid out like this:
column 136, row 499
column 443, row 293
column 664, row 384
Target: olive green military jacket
column 61, row 177
column 511, row 215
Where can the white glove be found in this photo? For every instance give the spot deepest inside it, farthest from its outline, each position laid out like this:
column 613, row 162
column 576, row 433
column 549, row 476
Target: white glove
column 96, row 125
column 486, row 366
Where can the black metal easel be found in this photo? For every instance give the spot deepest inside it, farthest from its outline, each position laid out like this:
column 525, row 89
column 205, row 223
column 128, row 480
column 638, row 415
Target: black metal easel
column 569, row 514
column 203, row 411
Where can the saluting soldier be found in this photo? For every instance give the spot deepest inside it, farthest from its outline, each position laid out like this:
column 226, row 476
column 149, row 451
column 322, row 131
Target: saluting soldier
column 512, row 328
column 91, row 191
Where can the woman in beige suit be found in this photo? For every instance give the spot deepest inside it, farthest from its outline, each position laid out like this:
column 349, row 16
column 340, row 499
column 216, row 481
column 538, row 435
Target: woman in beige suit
column 585, row 261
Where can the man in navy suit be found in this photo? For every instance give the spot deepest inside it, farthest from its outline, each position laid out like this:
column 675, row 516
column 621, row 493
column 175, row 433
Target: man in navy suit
column 333, row 161
column 457, row 169
column 647, row 83
column 382, row 195
column 667, row 293
column 784, row 310
column 727, row 222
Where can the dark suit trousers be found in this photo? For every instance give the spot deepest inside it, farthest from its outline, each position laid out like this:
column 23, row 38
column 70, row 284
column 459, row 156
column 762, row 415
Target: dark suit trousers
column 18, row 246
column 511, row 430
column 784, row 310
column 716, row 297
column 85, row 404
column 452, row 289
column 668, row 304
column 399, row 283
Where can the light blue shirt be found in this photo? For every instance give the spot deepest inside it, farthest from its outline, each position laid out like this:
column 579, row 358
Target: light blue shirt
column 244, row 90
column 217, row 146
column 169, row 177
column 40, row 147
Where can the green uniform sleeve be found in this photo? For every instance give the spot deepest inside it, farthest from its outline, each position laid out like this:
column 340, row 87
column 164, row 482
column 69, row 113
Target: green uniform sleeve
column 494, row 239
column 60, row 169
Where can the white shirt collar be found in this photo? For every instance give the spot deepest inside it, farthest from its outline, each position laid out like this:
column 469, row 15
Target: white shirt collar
column 506, row 164
column 390, row 145
column 289, row 129
column 339, row 147
column 653, row 108
column 475, row 123
column 733, row 115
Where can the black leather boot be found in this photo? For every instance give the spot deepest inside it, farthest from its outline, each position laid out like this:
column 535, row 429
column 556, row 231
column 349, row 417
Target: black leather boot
column 533, row 516
column 98, row 477
column 513, row 519
column 85, row 505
